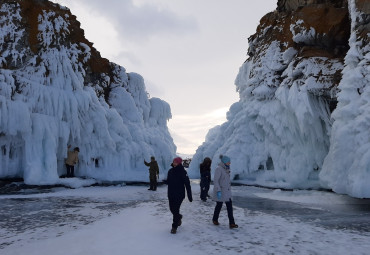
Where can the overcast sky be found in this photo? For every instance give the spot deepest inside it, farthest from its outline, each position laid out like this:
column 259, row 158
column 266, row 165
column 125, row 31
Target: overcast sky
column 188, row 51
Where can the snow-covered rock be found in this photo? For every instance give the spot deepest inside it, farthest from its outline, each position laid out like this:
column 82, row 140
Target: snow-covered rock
column 283, row 131
column 346, row 168
column 56, row 90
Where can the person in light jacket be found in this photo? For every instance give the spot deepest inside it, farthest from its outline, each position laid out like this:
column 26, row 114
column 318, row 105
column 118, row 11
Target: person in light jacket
column 222, row 191
column 71, row 161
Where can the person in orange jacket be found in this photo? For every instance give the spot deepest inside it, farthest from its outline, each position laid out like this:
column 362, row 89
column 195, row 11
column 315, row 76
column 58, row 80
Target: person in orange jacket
column 71, row 161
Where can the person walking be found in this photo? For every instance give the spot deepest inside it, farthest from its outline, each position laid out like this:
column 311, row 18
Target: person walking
column 178, row 181
column 71, row 161
column 153, row 173
column 205, row 178
column 222, row 191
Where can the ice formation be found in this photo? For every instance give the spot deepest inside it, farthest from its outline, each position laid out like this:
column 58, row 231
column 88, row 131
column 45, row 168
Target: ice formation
column 346, row 168
column 56, row 90
column 283, row 131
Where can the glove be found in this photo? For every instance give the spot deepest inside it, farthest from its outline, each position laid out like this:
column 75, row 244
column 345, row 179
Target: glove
column 218, row 194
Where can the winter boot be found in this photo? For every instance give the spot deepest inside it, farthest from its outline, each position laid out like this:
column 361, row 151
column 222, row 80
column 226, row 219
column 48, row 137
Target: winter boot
column 216, row 222
column 173, row 231
column 233, row 226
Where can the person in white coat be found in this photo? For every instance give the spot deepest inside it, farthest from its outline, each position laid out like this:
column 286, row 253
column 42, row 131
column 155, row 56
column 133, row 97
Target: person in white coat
column 222, row 191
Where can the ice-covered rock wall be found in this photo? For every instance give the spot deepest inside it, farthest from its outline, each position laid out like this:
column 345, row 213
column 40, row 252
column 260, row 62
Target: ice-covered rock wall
column 56, row 90
column 280, row 133
column 346, row 169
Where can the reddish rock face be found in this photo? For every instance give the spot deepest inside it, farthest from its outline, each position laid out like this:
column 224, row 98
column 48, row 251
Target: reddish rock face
column 332, row 27
column 56, row 89
column 363, row 6
column 96, row 68
column 330, row 22
column 363, row 24
column 31, row 11
column 318, row 30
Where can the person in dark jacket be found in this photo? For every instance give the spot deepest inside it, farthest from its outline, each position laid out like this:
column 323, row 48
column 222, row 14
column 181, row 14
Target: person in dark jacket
column 178, row 181
column 153, row 173
column 205, row 178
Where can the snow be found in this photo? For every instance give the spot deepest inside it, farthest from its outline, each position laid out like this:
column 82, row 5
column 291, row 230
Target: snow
column 288, row 128
column 281, row 133
column 143, row 226
column 301, row 34
column 347, row 167
column 10, row 30
column 48, row 101
column 51, row 27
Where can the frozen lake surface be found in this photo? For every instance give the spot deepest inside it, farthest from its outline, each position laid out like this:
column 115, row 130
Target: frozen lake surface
column 345, row 213
column 271, row 222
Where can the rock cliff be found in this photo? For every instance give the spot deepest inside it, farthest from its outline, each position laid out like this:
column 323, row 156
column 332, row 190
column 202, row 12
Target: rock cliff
column 56, row 89
column 298, row 123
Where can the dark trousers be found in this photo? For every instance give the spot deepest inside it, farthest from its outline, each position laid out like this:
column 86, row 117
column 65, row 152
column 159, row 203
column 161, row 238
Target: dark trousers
column 175, row 210
column 153, row 183
column 229, row 206
column 70, row 170
column 204, row 188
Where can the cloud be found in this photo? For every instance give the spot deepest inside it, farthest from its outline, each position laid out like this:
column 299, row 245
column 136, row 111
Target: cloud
column 128, row 56
column 188, row 131
column 138, row 23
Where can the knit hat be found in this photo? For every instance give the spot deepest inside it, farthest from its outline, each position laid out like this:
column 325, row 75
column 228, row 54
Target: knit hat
column 177, row 160
column 225, row 159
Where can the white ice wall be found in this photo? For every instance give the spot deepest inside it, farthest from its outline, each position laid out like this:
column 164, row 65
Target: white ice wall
column 277, row 134
column 45, row 105
column 279, row 124
column 347, row 167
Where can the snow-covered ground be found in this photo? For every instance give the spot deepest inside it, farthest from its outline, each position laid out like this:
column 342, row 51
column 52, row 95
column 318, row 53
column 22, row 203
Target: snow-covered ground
column 132, row 220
